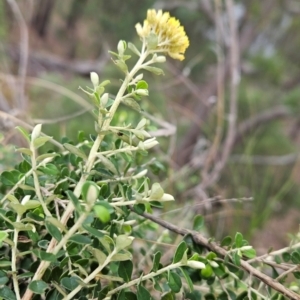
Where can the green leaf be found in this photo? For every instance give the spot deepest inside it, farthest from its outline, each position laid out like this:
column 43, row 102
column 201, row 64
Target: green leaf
column 38, row 286
column 157, row 192
column 182, row 247
column 49, row 169
column 207, row 271
column 75, row 201
column 108, row 164
column 236, row 259
column 75, row 150
column 43, row 255
column 3, row 280
column 5, row 263
column 53, row 230
column 40, row 141
column 133, row 48
column 238, row 240
column 156, row 260
column 18, row 208
column 219, row 271
column 123, row 241
column 295, row 257
column 24, row 227
column 169, row 296
column 297, row 274
column 99, row 255
column 154, row 70
column 7, row 294
column 121, row 65
column 250, row 253
column 142, row 84
column 8, row 179
column 43, row 244
column 125, row 255
column 70, row 283
column 93, row 231
column 286, row 256
column 125, row 270
column 24, row 151
column 107, row 243
column 56, row 223
column 132, row 104
column 277, row 259
column 143, row 294
column 198, row 222
column 24, row 132
column 187, row 279
column 102, row 213
column 174, row 282
column 80, row 239
column 31, row 204
column 226, row 241
column 46, row 155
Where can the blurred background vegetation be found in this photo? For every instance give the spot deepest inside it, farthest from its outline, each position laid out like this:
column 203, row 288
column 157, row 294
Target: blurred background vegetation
column 48, row 48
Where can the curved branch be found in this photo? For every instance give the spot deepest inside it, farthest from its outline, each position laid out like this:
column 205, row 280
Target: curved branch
column 201, row 240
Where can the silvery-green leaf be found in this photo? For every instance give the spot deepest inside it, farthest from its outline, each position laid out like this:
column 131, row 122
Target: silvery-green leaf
column 133, row 48
column 75, row 150
column 132, row 104
column 107, row 163
column 141, row 124
column 156, row 192
column 25, row 151
column 156, row 71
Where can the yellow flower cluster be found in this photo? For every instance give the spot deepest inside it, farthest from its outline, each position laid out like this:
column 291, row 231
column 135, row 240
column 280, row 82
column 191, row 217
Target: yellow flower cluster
column 171, row 37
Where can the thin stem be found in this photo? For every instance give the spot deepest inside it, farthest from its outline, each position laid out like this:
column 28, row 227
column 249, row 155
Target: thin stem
column 91, row 276
column 36, row 181
column 143, row 278
column 14, row 252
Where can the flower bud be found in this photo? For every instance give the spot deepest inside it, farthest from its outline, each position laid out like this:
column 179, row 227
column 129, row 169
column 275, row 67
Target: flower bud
column 213, row 264
column 195, row 264
column 121, row 47
column 94, row 79
column 148, row 144
column 142, row 92
column 36, row 131
column 160, row 59
column 139, row 77
column 104, row 99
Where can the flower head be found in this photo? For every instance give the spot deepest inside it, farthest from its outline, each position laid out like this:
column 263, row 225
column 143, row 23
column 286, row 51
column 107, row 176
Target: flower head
column 163, row 34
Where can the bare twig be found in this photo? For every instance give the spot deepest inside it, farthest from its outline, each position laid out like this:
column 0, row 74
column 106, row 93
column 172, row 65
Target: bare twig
column 22, row 102
column 234, row 82
column 212, row 246
column 220, row 92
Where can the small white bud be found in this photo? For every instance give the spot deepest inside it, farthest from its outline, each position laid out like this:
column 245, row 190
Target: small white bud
column 160, row 59
column 213, row 264
column 142, row 92
column 25, row 199
column 246, row 248
column 121, row 47
column 94, row 79
column 148, row 144
column 104, row 99
column 139, row 175
column 139, row 77
column 166, row 197
column 36, row 132
column 195, row 264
